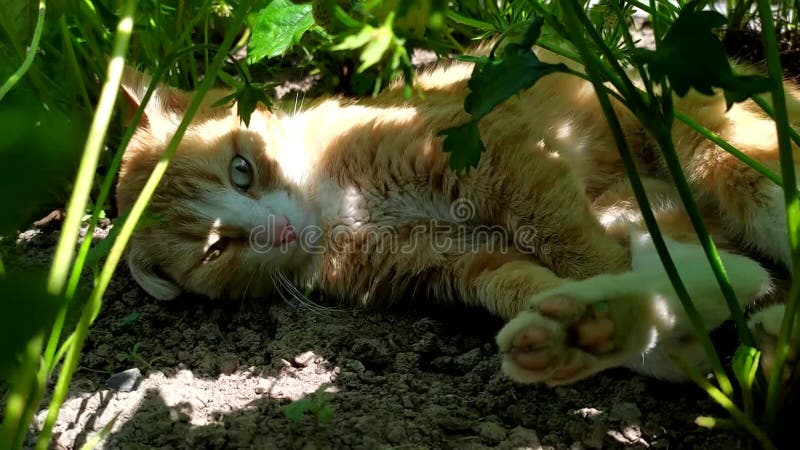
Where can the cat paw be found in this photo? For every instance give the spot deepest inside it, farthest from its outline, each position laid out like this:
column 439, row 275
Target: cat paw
column 559, row 340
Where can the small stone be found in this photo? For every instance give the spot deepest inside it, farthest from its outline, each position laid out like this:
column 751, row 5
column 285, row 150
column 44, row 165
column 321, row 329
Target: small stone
column 521, row 438
column 491, row 432
column 405, row 362
column 452, row 423
column 125, row 381
column 304, row 359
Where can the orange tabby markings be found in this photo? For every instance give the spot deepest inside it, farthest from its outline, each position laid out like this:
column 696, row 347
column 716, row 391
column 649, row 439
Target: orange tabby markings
column 355, row 198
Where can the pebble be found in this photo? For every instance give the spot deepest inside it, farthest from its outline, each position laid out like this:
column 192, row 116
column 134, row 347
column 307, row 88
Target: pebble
column 125, row 381
column 491, row 432
column 521, row 438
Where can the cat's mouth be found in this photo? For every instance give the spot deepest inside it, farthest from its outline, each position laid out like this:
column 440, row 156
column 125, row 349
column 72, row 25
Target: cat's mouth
column 283, row 231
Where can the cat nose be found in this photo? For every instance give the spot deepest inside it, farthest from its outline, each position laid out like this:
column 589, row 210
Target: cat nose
column 282, row 230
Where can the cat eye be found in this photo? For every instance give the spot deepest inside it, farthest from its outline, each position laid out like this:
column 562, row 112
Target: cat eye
column 241, row 173
column 215, row 250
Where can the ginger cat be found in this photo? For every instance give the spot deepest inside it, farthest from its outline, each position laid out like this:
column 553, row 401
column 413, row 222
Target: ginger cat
column 356, row 198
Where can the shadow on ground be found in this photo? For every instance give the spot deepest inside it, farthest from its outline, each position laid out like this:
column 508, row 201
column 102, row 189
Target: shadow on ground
column 220, row 374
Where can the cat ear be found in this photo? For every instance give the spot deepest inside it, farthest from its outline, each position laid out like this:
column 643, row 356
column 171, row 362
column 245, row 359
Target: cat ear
column 150, row 278
column 164, row 103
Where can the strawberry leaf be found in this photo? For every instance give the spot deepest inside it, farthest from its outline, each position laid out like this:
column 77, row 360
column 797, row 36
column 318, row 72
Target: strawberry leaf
column 493, row 81
column 703, row 62
column 277, row 27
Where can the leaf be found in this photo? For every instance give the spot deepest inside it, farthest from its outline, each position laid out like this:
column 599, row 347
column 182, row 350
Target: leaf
column 375, row 49
column 277, row 27
column 355, row 41
column 296, row 410
column 492, row 82
column 745, row 364
column 495, row 81
column 464, row 145
column 324, row 414
column 692, row 56
column 128, row 320
column 248, row 98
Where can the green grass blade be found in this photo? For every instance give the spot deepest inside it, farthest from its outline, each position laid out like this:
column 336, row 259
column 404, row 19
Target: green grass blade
column 725, row 145
column 26, row 63
column 592, row 62
column 115, row 254
column 83, row 183
column 727, row 404
column 792, row 202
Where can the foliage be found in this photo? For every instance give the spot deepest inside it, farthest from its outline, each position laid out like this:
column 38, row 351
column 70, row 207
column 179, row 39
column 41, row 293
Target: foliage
column 353, row 47
column 316, row 404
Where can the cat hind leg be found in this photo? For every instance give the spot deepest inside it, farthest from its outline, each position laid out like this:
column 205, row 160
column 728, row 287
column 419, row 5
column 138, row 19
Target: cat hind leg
column 633, row 319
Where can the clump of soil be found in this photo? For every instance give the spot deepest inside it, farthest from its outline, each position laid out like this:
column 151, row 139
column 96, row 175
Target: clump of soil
column 220, row 375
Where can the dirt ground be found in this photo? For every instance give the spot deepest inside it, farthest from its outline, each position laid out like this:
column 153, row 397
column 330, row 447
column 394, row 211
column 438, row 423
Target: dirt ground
column 220, row 375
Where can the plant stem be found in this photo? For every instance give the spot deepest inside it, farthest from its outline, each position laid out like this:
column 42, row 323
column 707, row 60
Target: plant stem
column 592, row 62
column 765, row 106
column 14, row 424
column 725, row 145
column 792, row 203
column 94, row 302
column 105, row 189
column 83, row 185
column 26, row 63
column 73, row 62
column 728, row 405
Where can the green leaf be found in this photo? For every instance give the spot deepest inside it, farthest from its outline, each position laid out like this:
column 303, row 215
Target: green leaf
column 324, row 414
column 464, row 145
column 692, row 56
column 296, row 410
column 376, row 48
column 745, row 364
column 355, row 41
column 493, row 81
column 248, row 98
column 277, row 27
column 128, row 320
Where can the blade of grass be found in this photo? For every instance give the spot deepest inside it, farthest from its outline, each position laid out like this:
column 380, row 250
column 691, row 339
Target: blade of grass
column 765, row 106
column 105, row 189
column 97, row 438
column 85, row 177
column 23, row 386
column 94, row 302
column 726, row 403
column 26, row 63
column 591, row 61
column 72, row 62
column 725, row 145
column 792, row 203
column 50, row 355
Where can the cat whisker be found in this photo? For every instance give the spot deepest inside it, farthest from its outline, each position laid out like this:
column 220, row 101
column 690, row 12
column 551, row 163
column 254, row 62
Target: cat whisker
column 301, row 298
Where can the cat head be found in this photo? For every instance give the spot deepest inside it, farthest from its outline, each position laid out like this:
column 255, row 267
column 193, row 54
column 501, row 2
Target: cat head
column 224, row 216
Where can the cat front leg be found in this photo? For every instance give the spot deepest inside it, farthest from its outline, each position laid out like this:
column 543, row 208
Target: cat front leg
column 631, row 319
